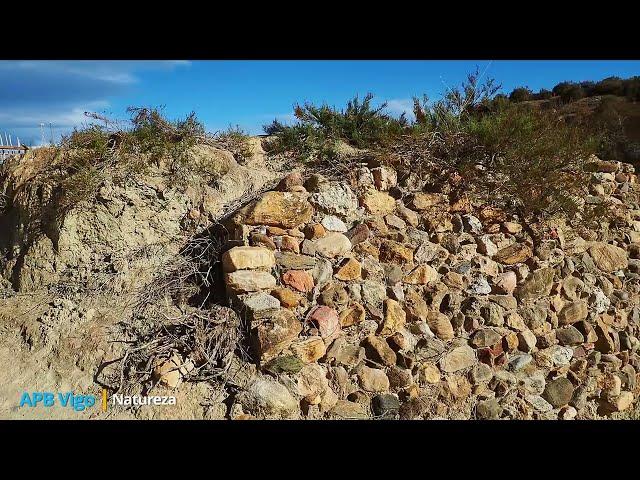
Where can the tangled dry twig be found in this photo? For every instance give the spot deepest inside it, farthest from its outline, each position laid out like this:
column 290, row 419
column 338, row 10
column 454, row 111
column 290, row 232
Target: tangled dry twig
column 206, row 339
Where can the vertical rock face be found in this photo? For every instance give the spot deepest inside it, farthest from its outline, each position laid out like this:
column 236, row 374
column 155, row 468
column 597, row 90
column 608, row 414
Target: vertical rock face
column 468, row 303
column 367, row 298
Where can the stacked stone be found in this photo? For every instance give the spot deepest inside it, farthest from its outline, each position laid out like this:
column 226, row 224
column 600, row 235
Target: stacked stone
column 374, row 299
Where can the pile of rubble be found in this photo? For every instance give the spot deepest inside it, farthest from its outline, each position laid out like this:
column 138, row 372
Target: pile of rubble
column 369, row 300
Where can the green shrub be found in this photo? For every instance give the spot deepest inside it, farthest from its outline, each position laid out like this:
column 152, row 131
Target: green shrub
column 457, row 105
column 235, row 140
column 523, row 159
column 569, row 91
column 521, row 94
column 532, row 159
column 543, row 94
column 90, row 154
column 632, row 88
column 318, row 127
column 609, row 86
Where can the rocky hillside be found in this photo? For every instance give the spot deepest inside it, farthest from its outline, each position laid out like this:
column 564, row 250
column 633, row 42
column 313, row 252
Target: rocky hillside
column 358, row 297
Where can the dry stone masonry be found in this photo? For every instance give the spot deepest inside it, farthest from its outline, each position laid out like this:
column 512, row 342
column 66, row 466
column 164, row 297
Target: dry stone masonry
column 366, row 299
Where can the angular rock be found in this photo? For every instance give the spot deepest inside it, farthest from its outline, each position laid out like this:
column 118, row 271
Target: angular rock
column 168, row 372
column 327, row 321
column 373, row 293
column 440, row 324
column 573, row 312
column 266, row 395
column 280, row 209
column 262, row 240
column 350, row 269
column 334, row 296
column 479, row 286
column 334, row 224
column 358, row 234
column 378, row 350
column 373, row 380
column 292, row 261
column 558, row 392
column 286, row 297
column 309, row 350
column 572, row 287
column 527, row 341
column 384, row 178
column 260, row 305
column 352, row 315
column 349, row 410
column 394, row 318
column 505, row 283
column 608, row 258
column 312, row 383
column 378, row 203
column 622, row 402
column 424, row 201
column 385, row 406
column 246, row 281
column 395, row 252
column 489, row 409
column 518, row 362
column 569, row 336
column 395, row 222
column 242, row 258
column 276, row 334
column 516, row 253
column 421, row 275
column 299, row 280
column 481, row 373
column 284, row 364
column 336, row 198
column 333, row 245
column 537, row 285
column 314, row 231
column 458, row 359
column 485, row 337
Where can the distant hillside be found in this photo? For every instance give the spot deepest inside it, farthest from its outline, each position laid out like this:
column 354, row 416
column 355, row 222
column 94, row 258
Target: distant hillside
column 612, row 104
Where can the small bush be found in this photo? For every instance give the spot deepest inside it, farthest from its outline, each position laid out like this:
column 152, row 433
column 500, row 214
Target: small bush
column 523, row 159
column 609, row 86
column 90, row 154
column 569, row 91
column 632, row 88
column 318, row 127
column 521, row 94
column 532, row 159
column 457, row 105
column 543, row 94
column 235, row 140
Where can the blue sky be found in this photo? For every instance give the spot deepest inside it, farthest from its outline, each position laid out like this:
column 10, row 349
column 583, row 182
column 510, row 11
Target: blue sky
column 246, row 93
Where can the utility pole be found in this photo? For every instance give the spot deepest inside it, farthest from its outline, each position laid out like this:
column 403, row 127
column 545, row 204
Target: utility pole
column 42, row 133
column 51, row 132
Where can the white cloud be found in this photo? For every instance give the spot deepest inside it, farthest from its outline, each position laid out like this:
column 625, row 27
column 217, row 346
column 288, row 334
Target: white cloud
column 398, row 106
column 59, row 92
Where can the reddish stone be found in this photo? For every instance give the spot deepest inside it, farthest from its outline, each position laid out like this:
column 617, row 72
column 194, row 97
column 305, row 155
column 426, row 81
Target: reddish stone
column 358, row 234
column 299, row 280
column 327, row 321
column 290, row 181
